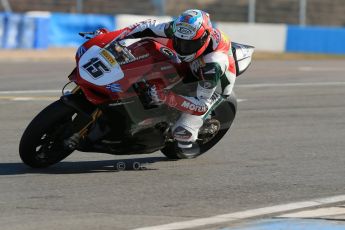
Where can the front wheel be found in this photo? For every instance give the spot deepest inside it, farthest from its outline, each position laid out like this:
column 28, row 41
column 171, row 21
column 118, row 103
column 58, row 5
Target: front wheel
column 42, row 142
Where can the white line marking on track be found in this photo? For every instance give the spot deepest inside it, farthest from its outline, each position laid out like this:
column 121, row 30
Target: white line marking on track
column 31, row 91
column 259, row 85
column 230, row 217
column 320, row 69
column 320, row 212
column 13, row 98
column 341, row 83
column 22, row 99
column 28, row 98
column 34, row 98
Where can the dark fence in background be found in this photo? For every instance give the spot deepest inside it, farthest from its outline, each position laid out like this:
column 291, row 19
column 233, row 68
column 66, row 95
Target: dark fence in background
column 310, row 12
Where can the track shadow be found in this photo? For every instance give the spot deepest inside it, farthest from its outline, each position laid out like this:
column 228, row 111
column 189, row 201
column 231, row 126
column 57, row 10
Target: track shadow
column 133, row 164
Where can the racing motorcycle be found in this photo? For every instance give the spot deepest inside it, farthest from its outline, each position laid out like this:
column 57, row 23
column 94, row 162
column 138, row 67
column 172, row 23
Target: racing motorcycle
column 109, row 111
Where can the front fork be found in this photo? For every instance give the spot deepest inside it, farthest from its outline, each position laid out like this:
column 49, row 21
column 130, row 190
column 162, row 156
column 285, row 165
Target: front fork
column 74, row 100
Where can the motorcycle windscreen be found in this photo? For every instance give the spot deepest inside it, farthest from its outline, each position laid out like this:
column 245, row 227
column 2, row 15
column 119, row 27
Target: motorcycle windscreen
column 243, row 56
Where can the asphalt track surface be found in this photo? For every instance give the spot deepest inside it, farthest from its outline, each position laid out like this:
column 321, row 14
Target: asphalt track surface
column 286, row 145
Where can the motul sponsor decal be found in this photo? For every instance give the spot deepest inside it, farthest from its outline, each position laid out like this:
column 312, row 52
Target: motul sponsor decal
column 194, row 107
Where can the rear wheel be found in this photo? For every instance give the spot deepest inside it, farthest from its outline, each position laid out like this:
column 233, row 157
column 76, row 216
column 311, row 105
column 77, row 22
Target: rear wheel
column 221, row 117
column 206, row 142
column 42, row 143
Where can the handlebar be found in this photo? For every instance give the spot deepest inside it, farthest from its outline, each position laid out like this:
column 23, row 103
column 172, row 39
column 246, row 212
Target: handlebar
column 86, row 34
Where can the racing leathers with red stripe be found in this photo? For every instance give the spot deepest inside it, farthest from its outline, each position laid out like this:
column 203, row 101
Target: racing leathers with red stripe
column 214, row 69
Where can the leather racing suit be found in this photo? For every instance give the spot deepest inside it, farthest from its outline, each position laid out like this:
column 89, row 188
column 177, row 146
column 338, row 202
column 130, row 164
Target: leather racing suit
column 214, row 69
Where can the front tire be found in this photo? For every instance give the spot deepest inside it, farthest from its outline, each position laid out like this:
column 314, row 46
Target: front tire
column 42, row 142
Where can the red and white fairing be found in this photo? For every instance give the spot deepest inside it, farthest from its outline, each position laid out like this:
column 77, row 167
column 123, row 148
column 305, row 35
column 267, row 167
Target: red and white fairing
column 153, row 61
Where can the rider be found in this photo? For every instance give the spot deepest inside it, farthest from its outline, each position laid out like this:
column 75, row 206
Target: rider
column 206, row 51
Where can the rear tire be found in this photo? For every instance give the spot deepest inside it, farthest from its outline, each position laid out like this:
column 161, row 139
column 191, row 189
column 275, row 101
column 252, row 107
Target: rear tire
column 173, row 152
column 42, row 142
column 224, row 114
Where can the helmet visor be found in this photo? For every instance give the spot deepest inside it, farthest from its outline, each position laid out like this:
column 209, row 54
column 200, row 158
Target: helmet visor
column 187, row 47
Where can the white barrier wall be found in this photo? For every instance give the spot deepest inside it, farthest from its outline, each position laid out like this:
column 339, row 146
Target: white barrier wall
column 265, row 37
column 2, row 29
column 12, row 31
column 27, row 34
column 40, row 30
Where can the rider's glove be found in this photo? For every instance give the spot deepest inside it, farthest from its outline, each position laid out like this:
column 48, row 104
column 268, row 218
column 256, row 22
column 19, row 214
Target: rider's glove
column 157, row 95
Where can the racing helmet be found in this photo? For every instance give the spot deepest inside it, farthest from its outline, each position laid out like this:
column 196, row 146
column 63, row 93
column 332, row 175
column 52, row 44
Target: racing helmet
column 191, row 34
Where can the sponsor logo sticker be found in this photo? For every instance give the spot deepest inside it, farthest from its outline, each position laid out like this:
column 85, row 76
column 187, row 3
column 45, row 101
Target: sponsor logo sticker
column 108, row 57
column 115, row 88
column 193, row 107
column 186, row 26
column 216, row 35
column 193, row 13
column 184, row 30
column 166, row 67
column 167, row 52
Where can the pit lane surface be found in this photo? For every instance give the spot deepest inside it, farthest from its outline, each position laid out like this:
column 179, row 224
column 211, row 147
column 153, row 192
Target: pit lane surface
column 286, row 145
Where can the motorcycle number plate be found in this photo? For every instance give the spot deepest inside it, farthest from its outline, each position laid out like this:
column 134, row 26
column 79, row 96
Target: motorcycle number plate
column 99, row 67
